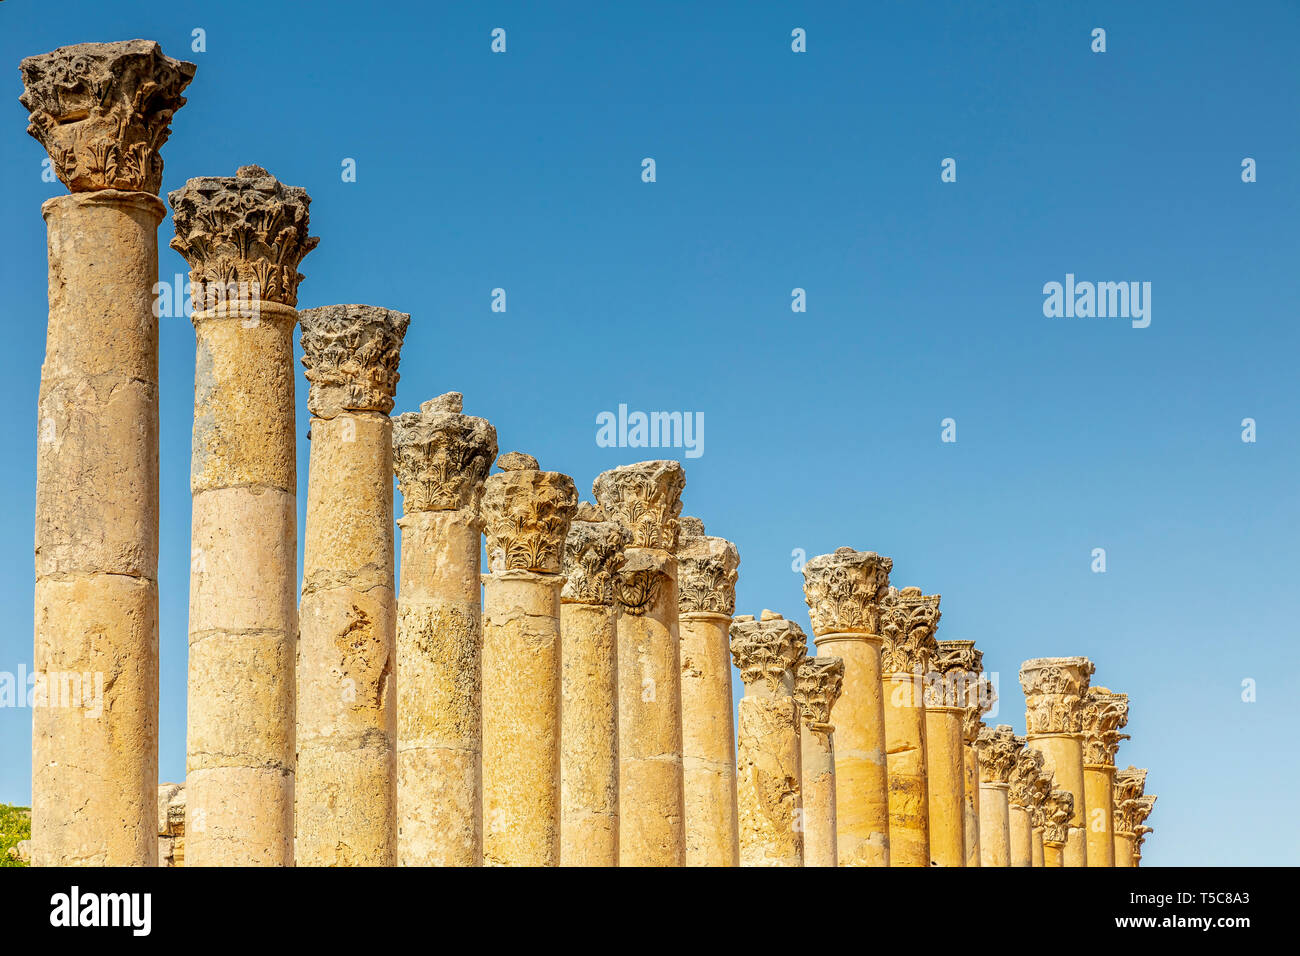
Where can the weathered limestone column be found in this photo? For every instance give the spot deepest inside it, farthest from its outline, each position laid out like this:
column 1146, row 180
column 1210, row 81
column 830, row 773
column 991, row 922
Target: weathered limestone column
column 980, row 697
column 1104, row 713
column 1058, row 811
column 244, row 237
column 767, row 652
column 945, row 693
column 817, row 686
column 645, row 499
column 102, row 111
column 593, row 553
column 441, row 457
column 527, row 513
column 706, row 599
column 1054, row 690
column 347, row 702
column 844, row 591
column 1022, row 797
column 1132, row 807
column 1139, row 837
column 908, row 621
column 1037, row 816
column 997, row 758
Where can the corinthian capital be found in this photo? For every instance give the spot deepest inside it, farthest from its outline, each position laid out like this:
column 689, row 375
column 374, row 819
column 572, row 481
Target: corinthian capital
column 980, row 698
column 1132, row 805
column 103, row 111
column 351, row 353
column 817, row 685
column 908, row 620
column 843, row 591
column 1058, row 808
column 526, row 515
column 1026, row 776
column 248, row 230
column 644, row 498
column 1054, row 690
column 441, row 456
column 1104, row 713
column 955, row 666
column 706, row 571
column 998, row 749
column 593, row 555
column 767, row 649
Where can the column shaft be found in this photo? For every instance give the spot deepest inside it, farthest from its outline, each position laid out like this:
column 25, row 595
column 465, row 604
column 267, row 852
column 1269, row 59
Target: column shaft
column 768, row 780
column 1124, row 849
column 439, row 657
column 945, row 785
column 521, row 718
column 243, row 588
column 1098, row 790
column 1063, row 759
column 651, row 794
column 971, row 804
column 861, row 773
column 95, row 726
column 817, row 761
column 909, row 827
column 1021, row 837
column 1036, row 847
column 589, row 735
column 995, row 825
column 347, row 704
column 708, row 741
column 1053, row 854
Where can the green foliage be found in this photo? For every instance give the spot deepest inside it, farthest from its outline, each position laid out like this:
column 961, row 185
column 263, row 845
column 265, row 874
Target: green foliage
column 15, row 825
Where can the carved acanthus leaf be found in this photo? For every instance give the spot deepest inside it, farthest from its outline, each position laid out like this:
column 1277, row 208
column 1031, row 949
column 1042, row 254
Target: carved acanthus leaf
column 843, row 591
column 442, row 456
column 767, row 649
column 593, row 555
column 351, row 354
column 1104, row 714
column 706, row 571
column 645, row 498
column 248, row 231
column 998, row 750
column 908, row 620
column 103, row 111
column 817, row 685
column 526, row 515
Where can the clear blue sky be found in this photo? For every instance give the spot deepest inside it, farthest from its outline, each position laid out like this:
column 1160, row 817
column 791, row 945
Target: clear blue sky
column 819, row 170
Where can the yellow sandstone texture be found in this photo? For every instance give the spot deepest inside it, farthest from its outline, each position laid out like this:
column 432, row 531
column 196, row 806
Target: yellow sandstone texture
column 347, row 701
column 442, row 458
column 102, row 111
column 767, row 652
column 844, row 591
column 817, row 686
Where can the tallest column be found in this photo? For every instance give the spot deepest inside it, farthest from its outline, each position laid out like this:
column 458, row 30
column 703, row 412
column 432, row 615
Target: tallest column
column 102, row 111
column 646, row 499
column 250, row 232
column 844, row 592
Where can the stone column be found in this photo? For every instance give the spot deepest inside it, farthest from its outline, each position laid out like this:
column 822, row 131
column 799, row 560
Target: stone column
column 102, row 111
column 347, row 702
column 593, row 553
column 980, row 698
column 1022, row 797
column 527, row 513
column 244, row 237
column 645, row 499
column 1036, row 833
column 997, row 749
column 907, row 623
column 441, row 457
column 817, row 686
column 844, row 591
column 1054, row 689
column 706, row 599
column 770, row 808
column 1132, row 807
column 1058, row 811
column 1104, row 713
column 945, row 693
